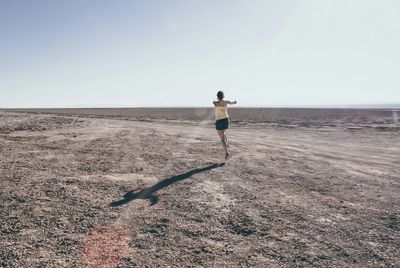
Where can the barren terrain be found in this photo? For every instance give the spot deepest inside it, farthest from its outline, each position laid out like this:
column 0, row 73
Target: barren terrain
column 150, row 188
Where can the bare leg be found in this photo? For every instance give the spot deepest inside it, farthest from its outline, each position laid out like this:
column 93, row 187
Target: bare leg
column 224, row 145
column 226, row 140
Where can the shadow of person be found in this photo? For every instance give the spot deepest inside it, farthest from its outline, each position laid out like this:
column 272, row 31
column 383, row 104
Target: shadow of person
column 150, row 193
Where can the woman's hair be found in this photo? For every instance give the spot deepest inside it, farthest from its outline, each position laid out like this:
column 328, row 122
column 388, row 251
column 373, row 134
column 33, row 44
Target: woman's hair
column 220, row 95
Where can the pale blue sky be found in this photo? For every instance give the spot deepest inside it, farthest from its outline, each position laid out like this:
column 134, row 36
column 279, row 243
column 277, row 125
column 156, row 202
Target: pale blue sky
column 179, row 53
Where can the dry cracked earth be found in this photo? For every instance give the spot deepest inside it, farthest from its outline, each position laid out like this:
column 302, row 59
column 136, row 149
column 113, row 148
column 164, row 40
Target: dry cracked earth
column 79, row 191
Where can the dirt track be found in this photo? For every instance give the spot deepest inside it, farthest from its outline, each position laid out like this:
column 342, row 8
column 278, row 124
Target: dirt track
column 78, row 191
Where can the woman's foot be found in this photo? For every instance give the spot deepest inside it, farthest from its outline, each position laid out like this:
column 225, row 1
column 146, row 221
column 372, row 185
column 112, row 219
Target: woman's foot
column 227, row 155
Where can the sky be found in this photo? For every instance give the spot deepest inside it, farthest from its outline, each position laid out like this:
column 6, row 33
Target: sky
column 265, row 53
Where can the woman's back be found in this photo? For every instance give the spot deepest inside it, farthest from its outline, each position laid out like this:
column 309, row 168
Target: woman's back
column 221, row 112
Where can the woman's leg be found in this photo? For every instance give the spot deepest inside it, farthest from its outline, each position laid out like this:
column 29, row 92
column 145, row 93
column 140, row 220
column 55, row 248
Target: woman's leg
column 221, row 135
column 226, row 140
column 227, row 145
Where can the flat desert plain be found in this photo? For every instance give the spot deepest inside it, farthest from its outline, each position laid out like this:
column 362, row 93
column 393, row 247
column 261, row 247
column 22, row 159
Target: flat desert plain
column 151, row 188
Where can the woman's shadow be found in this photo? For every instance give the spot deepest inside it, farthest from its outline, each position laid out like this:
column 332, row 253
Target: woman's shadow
column 149, row 193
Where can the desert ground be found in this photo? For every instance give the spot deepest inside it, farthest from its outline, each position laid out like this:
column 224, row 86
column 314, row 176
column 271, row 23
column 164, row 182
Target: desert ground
column 151, row 188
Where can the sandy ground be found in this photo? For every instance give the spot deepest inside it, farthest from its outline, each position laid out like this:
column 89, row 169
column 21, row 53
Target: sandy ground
column 79, row 191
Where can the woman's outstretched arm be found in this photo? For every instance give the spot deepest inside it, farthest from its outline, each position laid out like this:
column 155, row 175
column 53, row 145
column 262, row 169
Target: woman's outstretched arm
column 231, row 102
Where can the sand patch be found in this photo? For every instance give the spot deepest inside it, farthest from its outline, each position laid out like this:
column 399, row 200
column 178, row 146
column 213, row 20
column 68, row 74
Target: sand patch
column 106, row 246
column 212, row 193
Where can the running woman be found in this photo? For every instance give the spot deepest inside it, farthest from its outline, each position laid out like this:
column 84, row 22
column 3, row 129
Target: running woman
column 222, row 119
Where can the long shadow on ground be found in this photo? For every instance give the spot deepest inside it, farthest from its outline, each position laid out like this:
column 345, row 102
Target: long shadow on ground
column 149, row 193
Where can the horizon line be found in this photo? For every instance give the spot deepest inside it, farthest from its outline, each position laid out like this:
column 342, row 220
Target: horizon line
column 339, row 106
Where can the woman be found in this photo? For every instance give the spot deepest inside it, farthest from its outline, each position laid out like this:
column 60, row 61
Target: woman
column 222, row 119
